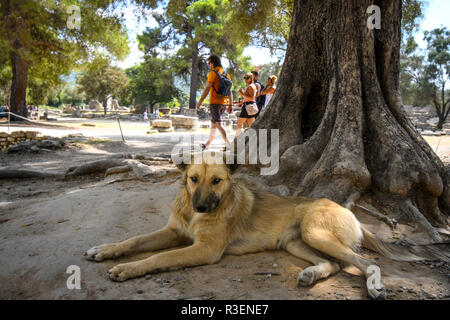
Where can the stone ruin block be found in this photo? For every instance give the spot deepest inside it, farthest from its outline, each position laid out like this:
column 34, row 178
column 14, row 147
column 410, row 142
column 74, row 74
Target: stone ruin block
column 184, row 122
column 162, row 125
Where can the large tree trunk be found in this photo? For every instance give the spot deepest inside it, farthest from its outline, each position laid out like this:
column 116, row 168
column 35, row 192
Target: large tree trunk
column 19, row 64
column 194, row 79
column 342, row 125
column 19, row 85
column 105, row 105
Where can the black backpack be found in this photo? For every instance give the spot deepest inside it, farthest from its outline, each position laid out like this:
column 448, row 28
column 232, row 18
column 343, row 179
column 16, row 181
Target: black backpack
column 261, row 99
column 225, row 84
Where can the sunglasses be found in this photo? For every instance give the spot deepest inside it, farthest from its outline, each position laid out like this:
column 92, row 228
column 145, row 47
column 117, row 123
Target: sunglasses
column 246, row 78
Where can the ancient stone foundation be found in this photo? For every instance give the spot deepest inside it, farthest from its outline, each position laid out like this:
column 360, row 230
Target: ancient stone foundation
column 17, row 137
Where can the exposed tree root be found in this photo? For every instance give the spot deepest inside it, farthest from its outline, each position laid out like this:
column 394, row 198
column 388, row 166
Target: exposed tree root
column 116, row 170
column 113, row 165
column 26, row 174
column 392, row 223
column 104, row 183
column 351, row 202
column 94, row 167
column 141, row 171
column 143, row 157
column 417, row 216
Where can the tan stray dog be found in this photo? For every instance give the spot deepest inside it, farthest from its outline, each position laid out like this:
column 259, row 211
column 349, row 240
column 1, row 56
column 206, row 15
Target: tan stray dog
column 216, row 215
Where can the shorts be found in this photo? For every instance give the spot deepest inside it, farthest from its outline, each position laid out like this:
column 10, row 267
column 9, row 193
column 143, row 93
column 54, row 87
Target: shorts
column 244, row 113
column 216, row 111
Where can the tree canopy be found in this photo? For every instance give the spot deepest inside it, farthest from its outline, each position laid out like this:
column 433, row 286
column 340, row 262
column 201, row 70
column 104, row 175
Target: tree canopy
column 102, row 81
column 190, row 31
column 438, row 47
column 41, row 40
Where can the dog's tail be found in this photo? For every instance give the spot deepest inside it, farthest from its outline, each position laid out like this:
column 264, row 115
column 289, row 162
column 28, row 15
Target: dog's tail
column 432, row 252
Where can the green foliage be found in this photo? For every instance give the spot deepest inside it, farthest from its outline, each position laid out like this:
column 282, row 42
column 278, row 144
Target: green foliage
column 73, row 95
column 41, row 33
column 438, row 46
column 412, row 14
column 152, row 82
column 191, row 31
column 267, row 23
column 99, row 80
column 5, row 83
column 415, row 83
column 424, row 78
column 438, row 67
column 268, row 70
column 264, row 23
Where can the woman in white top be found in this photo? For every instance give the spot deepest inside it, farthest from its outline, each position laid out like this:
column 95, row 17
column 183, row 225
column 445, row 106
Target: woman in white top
column 269, row 89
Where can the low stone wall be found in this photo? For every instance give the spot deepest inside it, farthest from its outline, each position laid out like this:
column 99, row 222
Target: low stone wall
column 17, row 137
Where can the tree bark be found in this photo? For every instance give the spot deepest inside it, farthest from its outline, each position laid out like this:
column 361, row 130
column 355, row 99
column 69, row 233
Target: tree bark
column 19, row 84
column 19, row 64
column 105, row 105
column 341, row 121
column 194, row 78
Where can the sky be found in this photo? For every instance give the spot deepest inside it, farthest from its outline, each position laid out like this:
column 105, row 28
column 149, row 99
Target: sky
column 436, row 15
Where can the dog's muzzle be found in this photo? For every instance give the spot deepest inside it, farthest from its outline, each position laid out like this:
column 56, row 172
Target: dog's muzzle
column 208, row 204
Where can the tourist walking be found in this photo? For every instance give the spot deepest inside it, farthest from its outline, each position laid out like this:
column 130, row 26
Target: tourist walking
column 217, row 101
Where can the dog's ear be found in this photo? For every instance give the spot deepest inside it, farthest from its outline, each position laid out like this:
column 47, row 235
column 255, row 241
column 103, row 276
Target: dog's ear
column 233, row 167
column 180, row 160
column 182, row 166
column 230, row 160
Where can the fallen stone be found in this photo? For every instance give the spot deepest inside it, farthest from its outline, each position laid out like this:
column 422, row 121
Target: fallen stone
column 49, row 144
column 183, row 121
column 161, row 124
column 166, row 129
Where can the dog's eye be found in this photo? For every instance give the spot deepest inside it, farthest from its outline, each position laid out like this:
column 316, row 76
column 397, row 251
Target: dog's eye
column 216, row 180
column 194, row 179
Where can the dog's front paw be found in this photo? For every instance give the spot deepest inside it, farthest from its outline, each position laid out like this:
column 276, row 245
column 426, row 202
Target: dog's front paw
column 102, row 252
column 124, row 271
column 377, row 293
column 307, row 277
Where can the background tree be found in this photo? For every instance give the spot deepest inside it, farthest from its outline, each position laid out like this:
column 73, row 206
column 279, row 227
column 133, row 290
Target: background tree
column 267, row 22
column 193, row 30
column 73, row 95
column 343, row 130
column 102, row 81
column 438, row 68
column 267, row 70
column 5, row 84
column 34, row 34
column 152, row 82
column 415, row 80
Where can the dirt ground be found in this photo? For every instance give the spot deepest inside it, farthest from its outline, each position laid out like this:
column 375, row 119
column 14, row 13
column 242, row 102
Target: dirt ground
column 47, row 224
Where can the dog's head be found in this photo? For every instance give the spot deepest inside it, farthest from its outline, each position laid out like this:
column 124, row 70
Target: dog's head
column 208, row 180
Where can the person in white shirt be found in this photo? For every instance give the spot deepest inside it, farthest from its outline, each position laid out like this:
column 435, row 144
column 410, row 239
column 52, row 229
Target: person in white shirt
column 269, row 89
